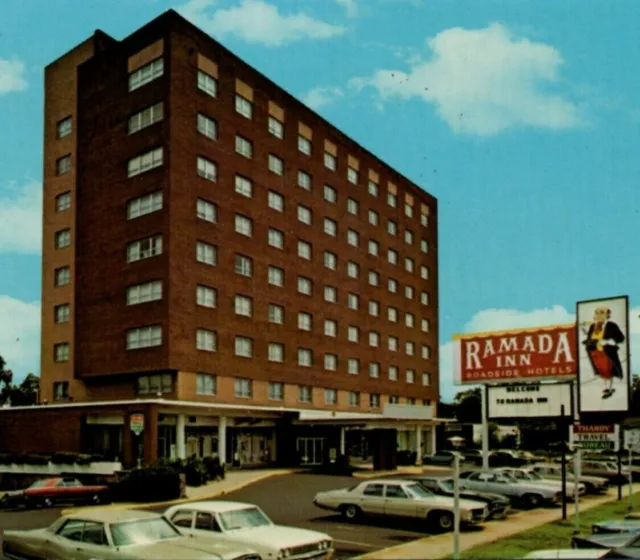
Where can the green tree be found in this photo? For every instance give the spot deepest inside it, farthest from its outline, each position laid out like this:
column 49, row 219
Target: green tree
column 24, row 394
column 469, row 406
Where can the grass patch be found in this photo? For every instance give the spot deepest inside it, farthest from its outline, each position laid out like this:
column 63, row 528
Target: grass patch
column 556, row 534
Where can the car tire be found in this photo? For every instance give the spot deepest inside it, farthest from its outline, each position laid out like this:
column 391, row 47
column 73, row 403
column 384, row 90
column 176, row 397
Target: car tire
column 532, row 501
column 351, row 512
column 441, row 521
column 589, row 488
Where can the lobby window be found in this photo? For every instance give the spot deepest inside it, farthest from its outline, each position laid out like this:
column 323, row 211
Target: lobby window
column 374, row 370
column 330, row 161
column 410, row 376
column 64, row 127
column 63, row 201
column 244, row 147
column 304, row 250
column 392, row 228
column 353, row 270
column 154, row 384
column 147, row 117
column 63, row 238
column 244, row 265
column 354, row 398
column 276, row 201
column 276, row 314
column 330, row 194
column 243, row 347
column 276, row 276
column 304, row 214
column 305, row 285
column 244, row 107
column 330, row 328
column 353, row 206
column 426, row 402
column 426, row 379
column 305, row 357
column 145, row 162
column 330, row 362
column 63, row 165
column 144, row 337
column 392, row 314
column 330, row 294
column 60, row 390
column 276, row 352
column 206, row 254
column 353, row 366
column 143, row 205
column 374, row 400
column 206, row 211
column 61, row 313
column 276, row 391
column 276, row 127
column 352, row 175
column 143, row 293
column 330, row 396
column 207, row 169
column 243, row 225
column 146, row 74
column 206, row 296
column 276, row 164
column 243, row 305
column 353, row 334
column 374, row 217
column 330, row 227
column 144, row 248
column 243, row 388
column 353, row 238
column 393, row 373
column 305, row 394
column 411, row 401
column 62, row 276
column 206, row 384
column 304, row 145
column 305, row 321
column 353, row 301
column 276, row 238
column 330, row 260
column 207, row 126
column 207, row 83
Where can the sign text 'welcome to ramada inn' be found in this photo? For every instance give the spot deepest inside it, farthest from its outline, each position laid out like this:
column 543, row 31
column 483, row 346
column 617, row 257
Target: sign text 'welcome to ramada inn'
column 534, row 354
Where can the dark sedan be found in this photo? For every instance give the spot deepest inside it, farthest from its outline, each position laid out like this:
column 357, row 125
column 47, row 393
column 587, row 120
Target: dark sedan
column 441, row 458
column 610, row 541
column 497, row 504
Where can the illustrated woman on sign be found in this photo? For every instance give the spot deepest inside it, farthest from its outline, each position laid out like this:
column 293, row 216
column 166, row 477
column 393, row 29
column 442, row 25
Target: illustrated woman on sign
column 603, row 338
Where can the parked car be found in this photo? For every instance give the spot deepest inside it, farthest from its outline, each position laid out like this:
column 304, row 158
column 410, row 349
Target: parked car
column 606, row 470
column 472, row 456
column 529, row 475
column 399, row 498
column 608, row 541
column 633, row 470
column 593, row 484
column 498, row 505
column 505, row 458
column 569, row 554
column 616, row 526
column 443, row 458
column 247, row 525
column 530, row 494
column 53, row 491
column 116, row 534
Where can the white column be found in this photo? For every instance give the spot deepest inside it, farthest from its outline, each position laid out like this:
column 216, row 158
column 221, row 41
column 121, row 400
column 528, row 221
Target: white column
column 181, row 446
column 434, row 440
column 343, row 443
column 222, row 439
column 418, row 445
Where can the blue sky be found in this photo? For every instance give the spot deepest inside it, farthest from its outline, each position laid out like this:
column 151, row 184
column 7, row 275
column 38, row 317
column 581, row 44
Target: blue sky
column 520, row 116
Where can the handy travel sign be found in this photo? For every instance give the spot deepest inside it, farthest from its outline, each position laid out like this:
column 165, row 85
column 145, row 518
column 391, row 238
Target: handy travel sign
column 530, row 400
column 596, row 438
column 136, row 422
column 518, row 355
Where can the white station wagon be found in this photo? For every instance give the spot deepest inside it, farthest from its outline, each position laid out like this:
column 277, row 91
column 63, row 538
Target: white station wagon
column 247, row 525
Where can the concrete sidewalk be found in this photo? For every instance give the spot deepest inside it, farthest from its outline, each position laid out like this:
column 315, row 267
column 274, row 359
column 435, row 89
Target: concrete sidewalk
column 441, row 546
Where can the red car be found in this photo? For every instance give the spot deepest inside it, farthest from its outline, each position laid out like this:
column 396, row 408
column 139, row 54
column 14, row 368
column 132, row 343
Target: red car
column 52, row 491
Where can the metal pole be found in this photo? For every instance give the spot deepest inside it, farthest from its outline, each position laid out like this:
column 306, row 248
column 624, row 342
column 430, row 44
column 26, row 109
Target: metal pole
column 576, row 495
column 620, row 451
column 485, row 429
column 456, row 506
column 564, row 465
column 630, row 477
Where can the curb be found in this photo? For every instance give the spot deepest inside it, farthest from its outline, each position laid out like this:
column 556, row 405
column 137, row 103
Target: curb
column 203, row 497
column 399, row 472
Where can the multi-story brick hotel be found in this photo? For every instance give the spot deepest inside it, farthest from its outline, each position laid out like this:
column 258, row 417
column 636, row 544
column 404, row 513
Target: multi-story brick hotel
column 221, row 262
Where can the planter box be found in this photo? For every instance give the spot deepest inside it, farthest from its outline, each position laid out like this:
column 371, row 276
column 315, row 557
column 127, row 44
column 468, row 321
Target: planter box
column 52, row 469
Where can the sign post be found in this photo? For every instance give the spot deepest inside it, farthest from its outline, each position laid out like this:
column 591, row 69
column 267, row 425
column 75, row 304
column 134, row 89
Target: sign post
column 576, row 495
column 485, row 428
column 564, row 466
column 632, row 441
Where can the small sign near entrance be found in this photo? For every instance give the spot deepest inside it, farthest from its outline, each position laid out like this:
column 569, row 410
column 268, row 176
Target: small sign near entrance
column 596, row 438
column 632, row 440
column 137, row 423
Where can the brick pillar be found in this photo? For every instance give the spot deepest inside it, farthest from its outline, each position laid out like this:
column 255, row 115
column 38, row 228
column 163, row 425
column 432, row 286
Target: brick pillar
column 128, row 452
column 150, row 434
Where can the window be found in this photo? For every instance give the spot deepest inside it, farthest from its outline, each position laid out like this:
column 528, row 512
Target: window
column 424, row 325
column 304, row 285
column 374, row 278
column 148, row 116
column 142, row 205
column 207, row 83
column 304, row 145
column 207, row 169
column 304, row 214
column 408, row 292
column 374, row 247
column 206, row 384
column 424, row 298
column 353, row 270
column 353, row 238
column 243, row 305
column 63, row 238
column 410, row 376
column 330, row 260
column 353, row 334
column 244, row 147
column 206, row 253
column 144, row 162
column 243, row 388
column 394, row 399
column 408, row 237
column 330, row 294
column 206, row 296
column 330, row 362
column 374, row 400
column 393, row 343
column 374, row 308
column 392, row 285
column 206, row 340
column 373, row 188
column 392, row 314
column 243, row 186
column 374, row 370
column 206, row 211
column 143, row 293
column 353, row 301
column 304, row 180
column 409, row 320
column 276, row 238
column 243, row 347
column 426, row 402
column 154, row 384
column 276, row 391
column 63, row 201
column 330, row 396
column 353, row 207
column 276, row 314
column 374, row 218
column 424, row 220
column 426, row 379
column 374, row 339
column 61, row 313
column 63, row 165
column 144, row 248
column 64, row 127
column 276, row 352
column 330, row 327
column 392, row 228
column 393, row 373
column 244, row 225
column 276, row 276
column 276, row 201
column 353, row 366
column 276, row 127
column 409, row 348
column 144, row 337
column 276, row 165
column 305, row 394
column 424, row 246
column 244, row 265
column 392, row 200
column 408, row 264
column 354, row 398
column 330, row 227
column 305, row 321
column 60, row 390
column 244, row 107
column 352, row 175
column 330, row 194
column 146, row 74
column 408, row 210
column 305, row 357
column 304, row 250
column 392, row 256
column 330, row 161
column 424, row 272
column 62, row 276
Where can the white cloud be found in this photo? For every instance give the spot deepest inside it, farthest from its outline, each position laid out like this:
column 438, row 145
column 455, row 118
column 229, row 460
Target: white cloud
column 483, row 81
column 20, row 336
column 21, row 218
column 321, row 96
column 12, row 75
column 350, row 7
column 257, row 21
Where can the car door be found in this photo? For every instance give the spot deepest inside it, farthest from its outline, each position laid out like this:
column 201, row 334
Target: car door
column 477, row 481
column 397, row 502
column 79, row 540
column 372, row 500
column 206, row 524
column 183, row 519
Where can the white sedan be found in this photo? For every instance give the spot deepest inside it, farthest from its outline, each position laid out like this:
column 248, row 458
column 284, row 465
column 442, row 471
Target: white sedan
column 247, row 525
column 568, row 554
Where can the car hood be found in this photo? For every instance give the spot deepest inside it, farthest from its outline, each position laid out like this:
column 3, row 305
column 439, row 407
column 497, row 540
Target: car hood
column 608, row 541
column 568, row 553
column 622, row 525
column 194, row 548
column 448, row 501
column 484, row 496
column 277, row 536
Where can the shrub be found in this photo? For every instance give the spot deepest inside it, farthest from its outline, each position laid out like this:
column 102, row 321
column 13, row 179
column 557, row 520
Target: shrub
column 215, row 468
column 196, row 473
column 148, row 484
column 94, row 458
column 406, row 458
column 83, row 459
column 35, row 460
column 7, row 458
column 65, row 458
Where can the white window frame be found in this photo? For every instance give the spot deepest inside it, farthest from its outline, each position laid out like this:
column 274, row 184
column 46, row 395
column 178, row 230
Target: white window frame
column 275, row 127
column 243, row 106
column 275, row 201
column 145, row 74
column 206, row 340
column 145, row 162
column 244, row 146
column 331, row 294
column 206, row 253
column 305, row 321
column 275, row 238
column 330, row 227
column 330, row 362
column 305, row 357
column 207, row 169
column 207, row 83
column 243, row 264
column 276, row 276
column 330, row 161
column 148, row 116
column 63, row 201
column 145, row 204
column 243, row 305
column 353, row 366
column 304, row 180
column 144, row 248
column 144, row 337
column 330, row 260
column 276, row 164
column 276, row 352
column 353, row 301
column 243, row 347
column 206, row 296
column 243, row 225
column 144, row 292
column 243, row 186
column 64, row 127
column 305, row 286
column 206, row 211
column 304, row 250
column 353, row 238
column 305, row 215
column 374, row 370
column 330, row 194
column 276, row 314
column 304, row 145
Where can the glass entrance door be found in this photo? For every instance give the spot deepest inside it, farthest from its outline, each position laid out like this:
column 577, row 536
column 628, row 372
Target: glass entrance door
column 311, row 450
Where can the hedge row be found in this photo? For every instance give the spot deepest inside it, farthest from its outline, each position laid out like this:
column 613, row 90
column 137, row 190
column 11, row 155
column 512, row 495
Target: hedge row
column 60, row 458
column 197, row 471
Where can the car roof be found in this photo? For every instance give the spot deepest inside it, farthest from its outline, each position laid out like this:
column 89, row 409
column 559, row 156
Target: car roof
column 112, row 515
column 396, row 480
column 215, row 506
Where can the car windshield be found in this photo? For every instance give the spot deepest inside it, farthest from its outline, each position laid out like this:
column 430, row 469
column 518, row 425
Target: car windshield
column 246, row 518
column 39, row 484
column 418, row 491
column 532, row 475
column 508, row 476
column 447, row 485
column 144, row 531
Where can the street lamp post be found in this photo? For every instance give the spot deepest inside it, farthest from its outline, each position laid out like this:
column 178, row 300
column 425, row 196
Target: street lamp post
column 456, row 441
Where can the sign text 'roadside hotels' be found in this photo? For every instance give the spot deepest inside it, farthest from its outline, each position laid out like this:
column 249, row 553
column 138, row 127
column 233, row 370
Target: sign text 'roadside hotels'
column 517, row 355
